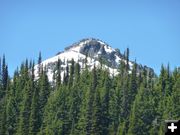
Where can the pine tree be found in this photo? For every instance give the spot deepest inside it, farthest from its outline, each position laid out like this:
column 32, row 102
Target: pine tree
column 56, row 118
column 89, row 111
column 97, row 116
column 71, row 77
column 123, row 88
column 130, row 91
column 169, row 83
column 58, row 76
column 25, row 113
column 44, row 91
column 34, row 117
column 34, row 122
column 77, row 73
column 105, row 105
column 85, row 83
column 4, row 76
column 162, row 80
column 75, row 104
column 3, row 125
column 119, row 91
column 66, row 75
column 3, row 99
column 176, row 96
column 19, row 82
column 143, row 111
column 113, row 108
column 39, row 64
column 11, row 112
column 133, row 84
column 127, row 59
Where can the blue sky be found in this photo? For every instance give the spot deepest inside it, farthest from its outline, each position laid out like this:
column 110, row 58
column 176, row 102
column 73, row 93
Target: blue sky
column 150, row 28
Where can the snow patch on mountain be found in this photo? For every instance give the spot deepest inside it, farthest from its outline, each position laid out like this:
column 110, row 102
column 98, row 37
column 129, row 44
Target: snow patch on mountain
column 94, row 50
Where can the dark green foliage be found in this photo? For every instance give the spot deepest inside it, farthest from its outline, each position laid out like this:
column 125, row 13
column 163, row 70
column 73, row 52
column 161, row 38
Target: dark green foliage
column 39, row 64
column 44, row 91
column 11, row 115
column 176, row 94
column 25, row 112
column 127, row 59
column 4, row 86
column 34, row 122
column 87, row 102
column 4, row 77
column 58, row 76
column 66, row 75
column 105, row 104
column 71, row 78
column 90, row 102
column 97, row 116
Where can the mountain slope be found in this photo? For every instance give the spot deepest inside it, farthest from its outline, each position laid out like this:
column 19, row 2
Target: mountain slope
column 94, row 50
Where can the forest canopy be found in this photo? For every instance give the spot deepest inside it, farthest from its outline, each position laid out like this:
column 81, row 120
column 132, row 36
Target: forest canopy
column 87, row 102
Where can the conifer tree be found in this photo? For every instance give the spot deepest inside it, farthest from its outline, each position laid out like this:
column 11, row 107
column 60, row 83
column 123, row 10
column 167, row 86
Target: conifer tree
column 11, row 112
column 3, row 125
column 75, row 103
column 169, row 83
column 113, row 108
column 97, row 116
column 34, row 122
column 39, row 64
column 25, row 113
column 162, row 80
column 66, row 75
column 4, row 76
column 130, row 93
column 90, row 102
column 143, row 111
column 35, row 116
column 75, row 96
column 44, row 91
column 3, row 98
column 133, row 83
column 176, row 96
column 105, row 104
column 71, row 77
column 58, row 76
column 84, row 85
column 127, row 59
column 119, row 91
column 77, row 73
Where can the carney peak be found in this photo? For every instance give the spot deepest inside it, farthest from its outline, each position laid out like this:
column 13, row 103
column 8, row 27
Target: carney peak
column 87, row 42
column 93, row 50
column 93, row 47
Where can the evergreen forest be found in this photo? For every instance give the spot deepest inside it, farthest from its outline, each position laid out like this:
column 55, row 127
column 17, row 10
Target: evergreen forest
column 87, row 102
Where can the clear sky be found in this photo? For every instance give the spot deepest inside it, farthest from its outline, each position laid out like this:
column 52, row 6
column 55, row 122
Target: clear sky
column 150, row 28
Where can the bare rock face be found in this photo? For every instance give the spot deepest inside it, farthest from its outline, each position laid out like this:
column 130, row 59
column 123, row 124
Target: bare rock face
column 97, row 49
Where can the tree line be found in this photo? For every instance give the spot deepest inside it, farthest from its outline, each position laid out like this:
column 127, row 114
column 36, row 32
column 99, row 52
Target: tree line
column 87, row 102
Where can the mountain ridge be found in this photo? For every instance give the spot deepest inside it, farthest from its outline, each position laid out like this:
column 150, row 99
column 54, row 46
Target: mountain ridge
column 95, row 51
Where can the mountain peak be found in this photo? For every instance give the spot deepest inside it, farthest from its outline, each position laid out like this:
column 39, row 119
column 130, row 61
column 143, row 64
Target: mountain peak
column 95, row 51
column 87, row 42
column 90, row 47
